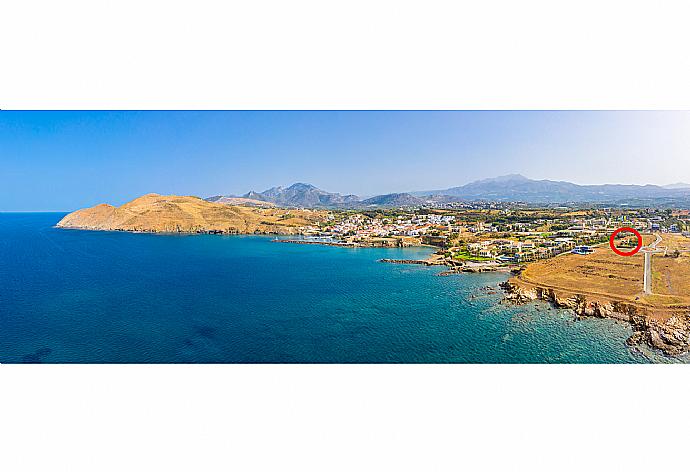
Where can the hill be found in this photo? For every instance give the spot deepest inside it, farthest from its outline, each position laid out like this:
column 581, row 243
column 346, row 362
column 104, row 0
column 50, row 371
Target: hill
column 394, row 200
column 159, row 213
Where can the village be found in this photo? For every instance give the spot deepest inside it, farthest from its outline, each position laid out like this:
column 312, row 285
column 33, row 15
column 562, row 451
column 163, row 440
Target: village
column 492, row 236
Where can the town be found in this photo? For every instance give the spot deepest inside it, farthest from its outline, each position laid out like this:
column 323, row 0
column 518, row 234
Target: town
column 498, row 236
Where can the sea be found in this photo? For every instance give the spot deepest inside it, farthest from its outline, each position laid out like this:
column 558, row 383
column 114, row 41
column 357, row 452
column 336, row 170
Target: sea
column 72, row 296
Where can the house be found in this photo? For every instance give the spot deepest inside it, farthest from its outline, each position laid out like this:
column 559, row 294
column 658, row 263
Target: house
column 487, row 253
column 544, row 252
column 582, row 250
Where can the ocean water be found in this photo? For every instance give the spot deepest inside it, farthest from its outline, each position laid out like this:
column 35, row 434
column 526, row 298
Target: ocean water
column 69, row 296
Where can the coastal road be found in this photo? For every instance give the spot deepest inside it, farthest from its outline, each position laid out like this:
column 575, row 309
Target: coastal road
column 648, row 252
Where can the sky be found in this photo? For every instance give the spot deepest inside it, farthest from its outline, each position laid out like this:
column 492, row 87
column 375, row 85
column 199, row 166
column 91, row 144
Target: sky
column 62, row 161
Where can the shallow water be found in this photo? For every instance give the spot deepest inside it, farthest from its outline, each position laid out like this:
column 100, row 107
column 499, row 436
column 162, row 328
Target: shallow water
column 82, row 296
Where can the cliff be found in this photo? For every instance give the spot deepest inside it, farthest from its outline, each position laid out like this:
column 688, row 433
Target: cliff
column 159, row 213
column 666, row 330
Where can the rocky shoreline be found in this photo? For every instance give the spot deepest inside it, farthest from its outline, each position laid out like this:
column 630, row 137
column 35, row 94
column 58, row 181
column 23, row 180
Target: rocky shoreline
column 425, row 262
column 172, row 231
column 669, row 334
column 454, row 267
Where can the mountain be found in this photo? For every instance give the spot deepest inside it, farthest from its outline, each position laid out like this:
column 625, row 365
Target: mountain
column 303, row 196
column 160, row 213
column 516, row 187
column 394, row 200
column 513, row 187
column 677, row 186
column 506, row 188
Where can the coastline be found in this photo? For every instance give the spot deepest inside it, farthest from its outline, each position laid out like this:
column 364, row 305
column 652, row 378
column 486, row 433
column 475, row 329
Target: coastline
column 455, row 267
column 240, row 299
column 435, row 259
column 319, row 243
column 375, row 243
column 181, row 232
column 665, row 330
column 667, row 333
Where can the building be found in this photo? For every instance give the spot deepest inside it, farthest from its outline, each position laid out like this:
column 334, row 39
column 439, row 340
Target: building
column 488, row 253
column 582, row 250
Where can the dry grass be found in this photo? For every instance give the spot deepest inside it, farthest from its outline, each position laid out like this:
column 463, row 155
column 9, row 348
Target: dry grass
column 603, row 273
column 671, row 275
column 608, row 276
column 159, row 213
column 675, row 242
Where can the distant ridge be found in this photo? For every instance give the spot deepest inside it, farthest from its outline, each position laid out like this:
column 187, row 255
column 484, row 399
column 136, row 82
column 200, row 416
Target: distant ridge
column 677, row 186
column 505, row 188
column 516, row 187
column 302, row 195
column 240, row 201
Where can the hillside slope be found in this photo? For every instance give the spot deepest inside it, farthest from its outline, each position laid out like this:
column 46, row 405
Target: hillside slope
column 159, row 213
column 394, row 200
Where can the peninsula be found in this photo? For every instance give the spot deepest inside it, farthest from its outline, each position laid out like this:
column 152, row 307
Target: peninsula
column 155, row 213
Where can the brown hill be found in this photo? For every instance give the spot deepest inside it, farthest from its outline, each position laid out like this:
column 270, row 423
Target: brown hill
column 170, row 213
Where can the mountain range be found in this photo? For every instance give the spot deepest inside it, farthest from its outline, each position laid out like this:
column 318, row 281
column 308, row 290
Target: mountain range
column 302, row 195
column 515, row 187
column 507, row 188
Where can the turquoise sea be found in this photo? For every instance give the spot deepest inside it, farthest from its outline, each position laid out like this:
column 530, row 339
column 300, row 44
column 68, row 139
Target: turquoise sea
column 69, row 296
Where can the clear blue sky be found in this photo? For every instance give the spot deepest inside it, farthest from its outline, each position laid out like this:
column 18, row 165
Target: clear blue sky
column 68, row 160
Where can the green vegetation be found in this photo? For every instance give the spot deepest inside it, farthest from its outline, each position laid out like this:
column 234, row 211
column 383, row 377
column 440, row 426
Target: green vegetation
column 466, row 256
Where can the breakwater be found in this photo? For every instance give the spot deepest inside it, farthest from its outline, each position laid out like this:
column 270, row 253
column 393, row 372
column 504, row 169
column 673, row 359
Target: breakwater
column 321, row 243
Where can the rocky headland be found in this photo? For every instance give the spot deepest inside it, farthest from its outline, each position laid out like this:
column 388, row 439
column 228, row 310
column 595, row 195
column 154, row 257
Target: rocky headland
column 666, row 330
column 155, row 213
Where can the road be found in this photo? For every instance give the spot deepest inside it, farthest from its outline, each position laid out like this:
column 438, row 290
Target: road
column 648, row 251
column 647, row 273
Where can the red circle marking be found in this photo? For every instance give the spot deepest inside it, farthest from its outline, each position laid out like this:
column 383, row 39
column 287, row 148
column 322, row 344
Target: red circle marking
column 626, row 230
